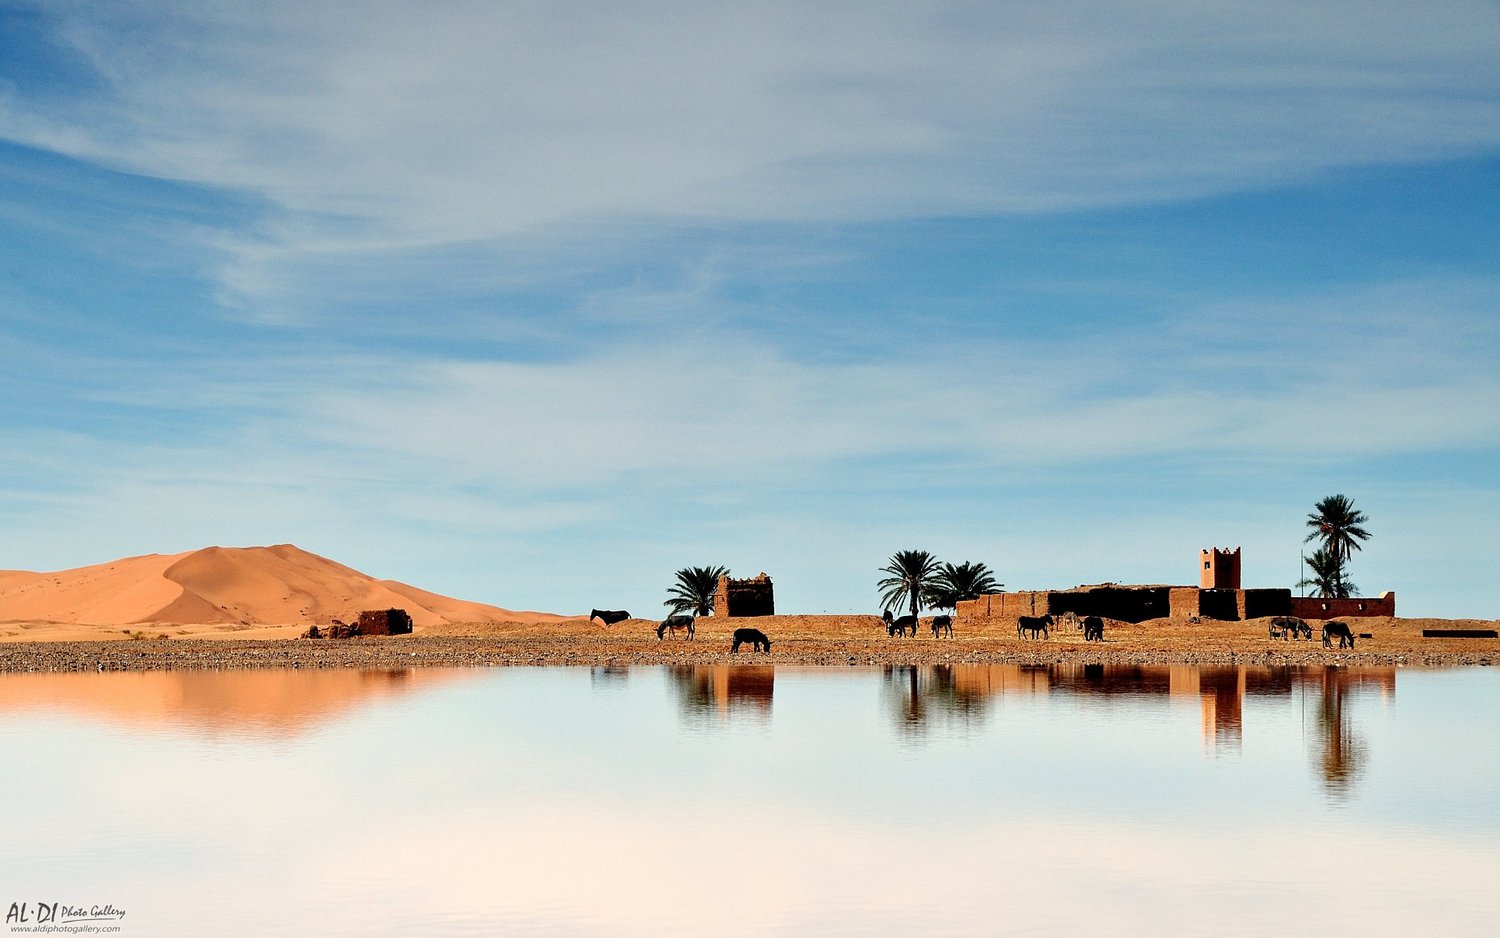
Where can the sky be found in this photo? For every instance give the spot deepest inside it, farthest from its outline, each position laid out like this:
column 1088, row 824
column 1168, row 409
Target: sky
column 535, row 304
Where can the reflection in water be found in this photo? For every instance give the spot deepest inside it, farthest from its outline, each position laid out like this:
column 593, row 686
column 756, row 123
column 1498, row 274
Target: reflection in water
column 1341, row 749
column 611, row 675
column 724, row 689
column 280, row 701
column 917, row 694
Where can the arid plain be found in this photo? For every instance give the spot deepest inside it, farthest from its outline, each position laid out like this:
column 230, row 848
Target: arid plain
column 246, row 607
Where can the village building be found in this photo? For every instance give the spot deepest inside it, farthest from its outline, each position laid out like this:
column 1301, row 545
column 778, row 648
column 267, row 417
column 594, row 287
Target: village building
column 1218, row 595
column 752, row 597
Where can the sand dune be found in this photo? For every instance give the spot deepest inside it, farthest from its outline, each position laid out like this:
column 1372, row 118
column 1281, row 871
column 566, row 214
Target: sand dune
column 238, row 586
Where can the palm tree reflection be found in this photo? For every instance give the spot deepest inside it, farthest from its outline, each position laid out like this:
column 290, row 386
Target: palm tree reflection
column 1341, row 749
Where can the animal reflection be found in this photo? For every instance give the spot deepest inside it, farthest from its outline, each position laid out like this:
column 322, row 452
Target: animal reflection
column 673, row 624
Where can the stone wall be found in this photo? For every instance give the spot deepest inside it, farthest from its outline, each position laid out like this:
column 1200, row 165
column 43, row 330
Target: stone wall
column 1312, row 607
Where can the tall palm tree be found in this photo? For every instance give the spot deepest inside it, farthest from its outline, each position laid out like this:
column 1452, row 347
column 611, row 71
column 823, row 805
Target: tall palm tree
column 912, row 575
column 953, row 584
column 1338, row 524
column 694, row 590
column 1327, row 579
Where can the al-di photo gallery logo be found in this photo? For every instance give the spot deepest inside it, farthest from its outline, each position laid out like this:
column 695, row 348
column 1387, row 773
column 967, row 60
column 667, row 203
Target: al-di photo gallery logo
column 59, row 918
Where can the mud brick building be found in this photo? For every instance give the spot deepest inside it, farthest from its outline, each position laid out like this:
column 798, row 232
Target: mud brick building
column 384, row 622
column 752, row 597
column 1218, row 596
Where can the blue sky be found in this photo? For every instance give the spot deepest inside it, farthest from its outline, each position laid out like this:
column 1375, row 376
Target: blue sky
column 534, row 304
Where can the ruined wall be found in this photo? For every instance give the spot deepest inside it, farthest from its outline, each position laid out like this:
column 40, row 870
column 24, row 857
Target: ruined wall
column 1219, row 604
column 752, row 597
column 1258, row 603
column 1183, row 602
column 1312, row 607
column 1125, row 603
column 384, row 622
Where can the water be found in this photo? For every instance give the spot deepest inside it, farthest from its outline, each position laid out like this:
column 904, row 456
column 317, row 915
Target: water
column 963, row 800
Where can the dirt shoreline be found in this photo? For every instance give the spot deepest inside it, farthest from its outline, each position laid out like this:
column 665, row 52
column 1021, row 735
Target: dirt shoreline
column 813, row 640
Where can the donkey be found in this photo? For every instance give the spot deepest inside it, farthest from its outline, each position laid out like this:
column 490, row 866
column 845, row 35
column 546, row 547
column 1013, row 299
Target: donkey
column 901, row 625
column 755, row 638
column 1093, row 629
column 672, row 624
column 942, row 625
column 1339, row 630
column 609, row 616
column 1038, row 626
column 1289, row 627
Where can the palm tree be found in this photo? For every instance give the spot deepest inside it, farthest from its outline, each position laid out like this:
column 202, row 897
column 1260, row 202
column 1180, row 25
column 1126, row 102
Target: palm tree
column 965, row 581
column 1327, row 579
column 1337, row 523
column 694, row 590
column 912, row 576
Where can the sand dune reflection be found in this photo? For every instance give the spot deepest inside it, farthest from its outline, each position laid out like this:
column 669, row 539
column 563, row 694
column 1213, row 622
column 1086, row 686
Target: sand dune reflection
column 272, row 701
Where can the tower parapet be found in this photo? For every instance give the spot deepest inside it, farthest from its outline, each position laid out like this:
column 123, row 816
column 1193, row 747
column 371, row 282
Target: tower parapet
column 1219, row 569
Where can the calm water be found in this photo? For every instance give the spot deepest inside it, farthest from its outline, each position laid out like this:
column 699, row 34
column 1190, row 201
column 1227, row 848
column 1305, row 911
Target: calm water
column 963, row 800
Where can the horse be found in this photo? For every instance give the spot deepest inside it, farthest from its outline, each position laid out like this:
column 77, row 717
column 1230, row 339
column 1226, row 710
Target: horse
column 1289, row 627
column 1038, row 626
column 1339, row 629
column 755, row 637
column 942, row 625
column 1093, row 629
column 672, row 624
column 892, row 626
column 609, row 616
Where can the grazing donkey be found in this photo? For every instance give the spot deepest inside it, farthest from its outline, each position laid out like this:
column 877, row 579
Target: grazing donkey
column 942, row 625
column 1289, row 627
column 755, row 637
column 901, row 625
column 609, row 616
column 672, row 624
column 1339, row 630
column 1093, row 629
column 1038, row 626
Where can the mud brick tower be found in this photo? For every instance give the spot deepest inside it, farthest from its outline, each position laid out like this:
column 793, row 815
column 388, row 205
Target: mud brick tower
column 1219, row 569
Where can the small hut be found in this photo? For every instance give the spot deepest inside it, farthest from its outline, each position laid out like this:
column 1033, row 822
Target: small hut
column 384, row 622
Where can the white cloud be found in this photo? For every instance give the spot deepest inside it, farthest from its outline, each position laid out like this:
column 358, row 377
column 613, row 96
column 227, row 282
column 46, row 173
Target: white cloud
column 380, row 127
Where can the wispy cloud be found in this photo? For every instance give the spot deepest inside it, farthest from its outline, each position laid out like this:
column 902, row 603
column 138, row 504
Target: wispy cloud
column 377, row 129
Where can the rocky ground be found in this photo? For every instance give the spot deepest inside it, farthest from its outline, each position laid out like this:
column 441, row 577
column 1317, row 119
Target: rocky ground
column 798, row 640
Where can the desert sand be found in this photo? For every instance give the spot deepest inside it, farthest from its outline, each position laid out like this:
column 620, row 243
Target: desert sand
column 246, row 592
column 176, row 611
column 799, row 640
